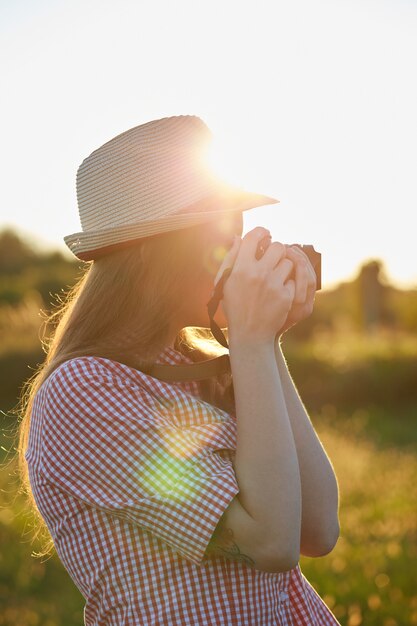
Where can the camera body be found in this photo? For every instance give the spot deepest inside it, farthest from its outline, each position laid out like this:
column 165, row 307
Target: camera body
column 308, row 249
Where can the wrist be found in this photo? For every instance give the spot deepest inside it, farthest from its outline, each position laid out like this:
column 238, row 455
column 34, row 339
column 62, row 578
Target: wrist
column 280, row 356
column 238, row 343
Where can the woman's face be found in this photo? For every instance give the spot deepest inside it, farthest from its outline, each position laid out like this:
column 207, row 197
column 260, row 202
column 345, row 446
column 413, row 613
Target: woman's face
column 216, row 239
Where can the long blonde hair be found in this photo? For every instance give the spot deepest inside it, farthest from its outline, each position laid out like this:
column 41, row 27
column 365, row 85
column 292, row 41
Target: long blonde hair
column 122, row 308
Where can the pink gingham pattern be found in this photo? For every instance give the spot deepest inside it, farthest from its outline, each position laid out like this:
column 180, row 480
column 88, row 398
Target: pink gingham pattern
column 132, row 475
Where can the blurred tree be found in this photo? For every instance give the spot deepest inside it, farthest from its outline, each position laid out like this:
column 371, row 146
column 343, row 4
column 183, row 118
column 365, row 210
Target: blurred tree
column 14, row 253
column 366, row 302
column 371, row 294
column 402, row 307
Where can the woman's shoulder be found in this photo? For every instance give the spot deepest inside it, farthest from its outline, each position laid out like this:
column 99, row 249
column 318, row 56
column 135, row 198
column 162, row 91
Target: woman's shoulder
column 97, row 386
column 92, row 370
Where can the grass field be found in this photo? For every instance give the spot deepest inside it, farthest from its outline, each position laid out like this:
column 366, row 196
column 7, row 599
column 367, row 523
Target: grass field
column 370, row 577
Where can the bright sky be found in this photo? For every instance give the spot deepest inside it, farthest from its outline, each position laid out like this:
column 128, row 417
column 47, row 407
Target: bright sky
column 310, row 102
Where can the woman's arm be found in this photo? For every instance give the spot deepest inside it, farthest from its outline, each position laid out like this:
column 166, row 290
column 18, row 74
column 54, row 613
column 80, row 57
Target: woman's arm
column 262, row 525
column 319, row 522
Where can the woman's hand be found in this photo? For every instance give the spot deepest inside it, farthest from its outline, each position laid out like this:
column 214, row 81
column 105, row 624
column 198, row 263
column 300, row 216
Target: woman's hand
column 258, row 294
column 305, row 288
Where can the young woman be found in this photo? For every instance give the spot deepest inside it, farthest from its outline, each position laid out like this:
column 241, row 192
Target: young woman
column 189, row 501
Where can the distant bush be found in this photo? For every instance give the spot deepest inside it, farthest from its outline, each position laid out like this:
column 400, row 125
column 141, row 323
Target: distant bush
column 23, row 270
column 350, row 369
column 377, row 382
column 15, row 368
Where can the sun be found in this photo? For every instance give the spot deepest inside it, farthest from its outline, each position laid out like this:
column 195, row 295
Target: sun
column 222, row 157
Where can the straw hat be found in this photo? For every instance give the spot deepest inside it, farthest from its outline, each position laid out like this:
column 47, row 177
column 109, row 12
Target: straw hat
column 151, row 179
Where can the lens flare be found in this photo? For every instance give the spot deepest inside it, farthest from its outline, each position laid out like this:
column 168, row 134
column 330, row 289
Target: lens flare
column 165, row 471
column 213, row 259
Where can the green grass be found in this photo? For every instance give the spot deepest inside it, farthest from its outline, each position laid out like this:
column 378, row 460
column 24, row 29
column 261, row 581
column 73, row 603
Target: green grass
column 370, row 577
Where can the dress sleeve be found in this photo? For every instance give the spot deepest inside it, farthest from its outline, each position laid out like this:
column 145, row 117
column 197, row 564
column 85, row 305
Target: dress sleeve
column 116, row 447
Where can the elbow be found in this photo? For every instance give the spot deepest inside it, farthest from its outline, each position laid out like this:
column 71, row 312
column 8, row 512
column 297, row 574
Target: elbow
column 331, row 541
column 321, row 546
column 276, row 564
column 276, row 560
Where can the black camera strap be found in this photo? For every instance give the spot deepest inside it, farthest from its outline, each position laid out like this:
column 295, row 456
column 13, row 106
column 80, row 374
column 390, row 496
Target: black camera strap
column 212, row 306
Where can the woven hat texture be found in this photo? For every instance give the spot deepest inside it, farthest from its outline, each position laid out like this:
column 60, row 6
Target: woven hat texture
column 151, row 179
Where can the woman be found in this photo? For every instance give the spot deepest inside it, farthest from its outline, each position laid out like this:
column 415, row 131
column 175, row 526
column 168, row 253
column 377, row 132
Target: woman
column 190, row 501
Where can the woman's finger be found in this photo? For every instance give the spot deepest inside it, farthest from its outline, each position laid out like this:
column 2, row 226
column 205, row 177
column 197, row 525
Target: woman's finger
column 301, row 275
column 312, row 274
column 312, row 281
column 274, row 253
column 249, row 245
column 290, row 285
column 283, row 270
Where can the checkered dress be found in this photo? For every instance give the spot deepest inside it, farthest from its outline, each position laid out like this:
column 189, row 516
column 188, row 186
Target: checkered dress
column 131, row 475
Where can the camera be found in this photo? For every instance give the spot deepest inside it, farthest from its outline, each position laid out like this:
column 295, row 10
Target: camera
column 313, row 256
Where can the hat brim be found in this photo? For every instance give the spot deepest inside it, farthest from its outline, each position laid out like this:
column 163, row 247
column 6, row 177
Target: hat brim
column 90, row 245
